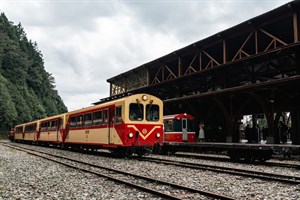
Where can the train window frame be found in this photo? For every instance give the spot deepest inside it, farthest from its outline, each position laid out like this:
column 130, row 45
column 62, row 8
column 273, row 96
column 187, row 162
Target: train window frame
column 30, row 128
column 118, row 115
column 87, row 122
column 79, row 123
column 43, row 126
column 19, row 129
column 97, row 119
column 48, row 125
column 105, row 116
column 54, row 125
column 177, row 125
column 152, row 112
column 168, row 125
column 73, row 122
column 134, row 113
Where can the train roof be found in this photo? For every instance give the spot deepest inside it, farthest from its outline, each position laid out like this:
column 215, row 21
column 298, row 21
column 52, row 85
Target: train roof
column 28, row 123
column 179, row 116
column 114, row 97
column 53, row 117
column 109, row 101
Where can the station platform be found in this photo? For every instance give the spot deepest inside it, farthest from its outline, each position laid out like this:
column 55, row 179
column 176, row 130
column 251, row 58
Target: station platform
column 236, row 151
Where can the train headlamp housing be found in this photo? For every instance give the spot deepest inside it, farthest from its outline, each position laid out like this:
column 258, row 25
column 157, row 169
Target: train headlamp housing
column 130, row 135
column 144, row 97
column 157, row 135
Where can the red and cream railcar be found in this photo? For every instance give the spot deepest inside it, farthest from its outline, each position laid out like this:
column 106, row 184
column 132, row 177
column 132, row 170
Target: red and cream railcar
column 179, row 128
column 18, row 132
column 52, row 129
column 26, row 132
column 132, row 124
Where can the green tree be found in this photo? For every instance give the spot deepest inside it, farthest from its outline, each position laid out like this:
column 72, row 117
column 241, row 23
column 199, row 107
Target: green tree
column 8, row 112
column 27, row 90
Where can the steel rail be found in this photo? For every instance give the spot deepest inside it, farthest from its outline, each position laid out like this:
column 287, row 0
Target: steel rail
column 224, row 159
column 228, row 170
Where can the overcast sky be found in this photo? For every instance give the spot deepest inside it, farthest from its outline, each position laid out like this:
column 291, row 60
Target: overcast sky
column 84, row 43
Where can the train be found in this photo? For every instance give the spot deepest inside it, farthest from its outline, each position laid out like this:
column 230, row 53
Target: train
column 179, row 128
column 134, row 125
column 126, row 126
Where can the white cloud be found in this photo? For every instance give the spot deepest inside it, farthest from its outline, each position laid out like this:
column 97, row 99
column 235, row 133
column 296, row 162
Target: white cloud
column 84, row 43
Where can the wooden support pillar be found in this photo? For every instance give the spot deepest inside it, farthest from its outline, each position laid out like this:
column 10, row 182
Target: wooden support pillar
column 295, row 129
column 148, row 77
column 298, row 62
column 270, row 134
column 200, row 60
column 227, row 116
column 110, row 89
column 224, row 52
column 179, row 67
column 256, row 42
column 295, row 27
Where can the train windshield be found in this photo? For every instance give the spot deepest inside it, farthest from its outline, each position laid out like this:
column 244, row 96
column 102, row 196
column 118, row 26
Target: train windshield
column 136, row 111
column 152, row 112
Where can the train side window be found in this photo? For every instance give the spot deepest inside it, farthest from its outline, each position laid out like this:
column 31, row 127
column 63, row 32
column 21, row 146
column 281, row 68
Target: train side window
column 118, row 114
column 136, row 112
column 54, row 125
column 177, row 125
column 88, row 120
column 112, row 116
column 43, row 126
column 168, row 124
column 48, row 125
column 30, row 128
column 152, row 112
column 105, row 116
column 97, row 118
column 19, row 130
column 79, row 121
column 73, row 122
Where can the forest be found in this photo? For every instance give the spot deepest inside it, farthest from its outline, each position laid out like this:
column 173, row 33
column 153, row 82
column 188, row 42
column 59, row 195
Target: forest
column 27, row 90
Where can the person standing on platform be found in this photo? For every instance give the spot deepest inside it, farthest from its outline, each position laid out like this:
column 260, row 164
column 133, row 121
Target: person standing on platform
column 201, row 136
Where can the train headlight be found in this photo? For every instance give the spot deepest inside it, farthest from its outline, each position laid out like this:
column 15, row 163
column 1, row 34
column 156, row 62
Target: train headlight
column 144, row 98
column 130, row 135
column 157, row 135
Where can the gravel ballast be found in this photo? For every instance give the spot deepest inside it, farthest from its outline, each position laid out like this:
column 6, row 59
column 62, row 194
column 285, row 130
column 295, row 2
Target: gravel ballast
column 25, row 176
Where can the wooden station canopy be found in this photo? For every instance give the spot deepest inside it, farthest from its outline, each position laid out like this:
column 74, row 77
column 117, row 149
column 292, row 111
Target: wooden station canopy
column 255, row 61
column 258, row 50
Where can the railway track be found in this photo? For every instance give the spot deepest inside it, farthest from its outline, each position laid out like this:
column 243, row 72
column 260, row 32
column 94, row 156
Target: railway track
column 155, row 187
column 225, row 159
column 228, row 170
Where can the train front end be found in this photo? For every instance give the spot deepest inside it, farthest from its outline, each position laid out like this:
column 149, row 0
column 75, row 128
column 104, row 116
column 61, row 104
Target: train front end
column 143, row 127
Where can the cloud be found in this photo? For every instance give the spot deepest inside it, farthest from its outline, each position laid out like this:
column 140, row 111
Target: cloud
column 84, row 43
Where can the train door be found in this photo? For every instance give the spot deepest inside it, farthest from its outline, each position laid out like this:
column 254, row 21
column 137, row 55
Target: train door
column 184, row 130
column 59, row 122
column 110, row 125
